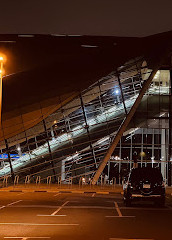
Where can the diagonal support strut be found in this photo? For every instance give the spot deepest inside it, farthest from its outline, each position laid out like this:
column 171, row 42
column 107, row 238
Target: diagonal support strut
column 125, row 123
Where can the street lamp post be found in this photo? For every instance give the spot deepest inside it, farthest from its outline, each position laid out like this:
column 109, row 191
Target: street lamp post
column 6, row 143
column 1, row 69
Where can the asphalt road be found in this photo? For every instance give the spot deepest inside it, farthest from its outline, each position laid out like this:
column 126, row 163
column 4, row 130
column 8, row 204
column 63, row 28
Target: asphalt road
column 68, row 216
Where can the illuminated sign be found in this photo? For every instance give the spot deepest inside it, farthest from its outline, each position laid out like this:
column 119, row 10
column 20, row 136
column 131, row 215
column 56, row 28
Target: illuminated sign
column 12, row 156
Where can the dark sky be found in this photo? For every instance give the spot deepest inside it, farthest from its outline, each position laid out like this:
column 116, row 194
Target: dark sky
column 90, row 17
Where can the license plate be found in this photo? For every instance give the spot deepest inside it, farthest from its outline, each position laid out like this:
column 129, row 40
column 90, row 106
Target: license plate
column 146, row 185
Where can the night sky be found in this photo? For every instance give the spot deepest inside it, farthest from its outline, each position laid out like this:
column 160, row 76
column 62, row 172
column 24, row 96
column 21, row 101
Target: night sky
column 90, row 17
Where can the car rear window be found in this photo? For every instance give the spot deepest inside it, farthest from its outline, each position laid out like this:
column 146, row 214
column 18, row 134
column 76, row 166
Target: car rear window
column 146, row 174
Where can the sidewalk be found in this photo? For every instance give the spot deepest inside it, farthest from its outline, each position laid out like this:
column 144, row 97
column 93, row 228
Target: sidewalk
column 63, row 188
column 69, row 188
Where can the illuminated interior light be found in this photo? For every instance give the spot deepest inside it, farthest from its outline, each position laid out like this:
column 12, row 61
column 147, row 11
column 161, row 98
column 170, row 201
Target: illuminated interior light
column 89, row 46
column 26, row 35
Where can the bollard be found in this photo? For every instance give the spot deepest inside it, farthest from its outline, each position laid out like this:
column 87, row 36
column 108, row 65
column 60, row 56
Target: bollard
column 80, row 182
column 70, row 182
column 16, row 180
column 27, row 179
column 101, row 180
column 119, row 180
column 38, row 180
column 59, row 181
column 49, row 180
column 5, row 181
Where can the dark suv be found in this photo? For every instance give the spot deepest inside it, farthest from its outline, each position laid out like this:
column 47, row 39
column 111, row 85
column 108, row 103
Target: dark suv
column 146, row 184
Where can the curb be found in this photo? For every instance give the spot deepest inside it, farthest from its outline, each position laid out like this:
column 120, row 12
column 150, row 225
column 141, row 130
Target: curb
column 61, row 191
column 15, row 191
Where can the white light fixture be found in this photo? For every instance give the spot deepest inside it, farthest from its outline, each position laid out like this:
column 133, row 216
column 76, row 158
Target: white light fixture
column 18, row 148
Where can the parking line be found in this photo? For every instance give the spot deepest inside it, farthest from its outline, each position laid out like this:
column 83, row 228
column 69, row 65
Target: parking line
column 24, row 238
column 10, row 204
column 57, row 194
column 39, row 215
column 119, row 213
column 146, row 209
column 121, row 217
column 20, row 194
column 129, row 239
column 41, row 224
column 54, row 213
column 118, row 210
column 14, row 203
column 2, row 207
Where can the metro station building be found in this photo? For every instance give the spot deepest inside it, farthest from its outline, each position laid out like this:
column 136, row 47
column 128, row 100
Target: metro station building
column 67, row 100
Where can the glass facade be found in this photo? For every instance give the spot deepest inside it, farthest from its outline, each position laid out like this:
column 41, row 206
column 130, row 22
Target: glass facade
column 72, row 141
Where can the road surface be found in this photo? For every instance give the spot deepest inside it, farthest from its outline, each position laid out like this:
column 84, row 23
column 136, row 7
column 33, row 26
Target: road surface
column 80, row 216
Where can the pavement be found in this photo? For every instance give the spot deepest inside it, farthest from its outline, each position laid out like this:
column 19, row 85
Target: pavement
column 79, row 216
column 105, row 189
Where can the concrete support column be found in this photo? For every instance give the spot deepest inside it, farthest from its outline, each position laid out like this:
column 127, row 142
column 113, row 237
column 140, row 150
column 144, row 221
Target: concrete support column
column 142, row 149
column 170, row 132
column 131, row 152
column 153, row 141
column 52, row 133
column 120, row 156
column 63, row 175
column 163, row 150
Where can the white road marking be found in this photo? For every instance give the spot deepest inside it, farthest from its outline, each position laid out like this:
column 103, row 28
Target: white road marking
column 2, row 207
column 129, row 239
column 39, row 215
column 54, row 213
column 36, row 206
column 14, row 203
column 20, row 194
column 53, row 206
column 57, row 194
column 145, row 209
column 118, row 210
column 92, row 207
column 93, row 194
column 41, row 224
column 10, row 204
column 88, row 207
column 24, row 238
column 119, row 213
column 121, row 217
